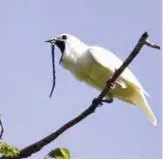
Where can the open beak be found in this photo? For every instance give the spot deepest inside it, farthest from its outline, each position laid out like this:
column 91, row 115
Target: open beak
column 50, row 41
column 59, row 43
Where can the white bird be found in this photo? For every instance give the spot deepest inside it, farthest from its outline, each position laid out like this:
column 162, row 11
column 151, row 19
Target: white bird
column 94, row 65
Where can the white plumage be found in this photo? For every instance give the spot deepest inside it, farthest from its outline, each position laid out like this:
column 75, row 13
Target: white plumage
column 94, row 65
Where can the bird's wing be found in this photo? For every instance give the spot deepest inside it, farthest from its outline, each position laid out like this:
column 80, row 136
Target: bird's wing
column 110, row 61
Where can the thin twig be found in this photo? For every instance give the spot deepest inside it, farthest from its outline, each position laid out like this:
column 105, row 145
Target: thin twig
column 35, row 147
column 152, row 45
column 2, row 129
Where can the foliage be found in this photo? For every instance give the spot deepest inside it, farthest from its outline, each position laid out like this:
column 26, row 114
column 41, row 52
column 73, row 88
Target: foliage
column 8, row 150
column 59, row 153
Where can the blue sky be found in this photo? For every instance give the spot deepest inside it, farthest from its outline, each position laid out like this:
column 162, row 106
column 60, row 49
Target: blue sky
column 115, row 131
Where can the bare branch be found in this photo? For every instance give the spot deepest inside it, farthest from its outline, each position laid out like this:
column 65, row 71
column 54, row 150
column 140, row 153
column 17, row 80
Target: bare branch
column 35, row 147
column 2, row 129
column 152, row 45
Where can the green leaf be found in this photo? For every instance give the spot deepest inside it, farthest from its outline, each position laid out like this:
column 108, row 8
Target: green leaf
column 59, row 153
column 7, row 150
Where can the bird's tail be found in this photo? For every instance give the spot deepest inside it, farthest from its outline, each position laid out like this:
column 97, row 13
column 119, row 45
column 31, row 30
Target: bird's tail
column 140, row 100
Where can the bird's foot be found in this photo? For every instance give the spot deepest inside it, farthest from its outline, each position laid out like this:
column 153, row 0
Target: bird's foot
column 107, row 100
column 112, row 84
column 96, row 101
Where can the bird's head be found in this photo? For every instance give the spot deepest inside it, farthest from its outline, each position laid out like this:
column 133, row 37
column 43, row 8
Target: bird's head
column 66, row 42
column 63, row 41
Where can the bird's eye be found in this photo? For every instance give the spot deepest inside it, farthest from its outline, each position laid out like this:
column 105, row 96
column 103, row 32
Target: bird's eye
column 64, row 37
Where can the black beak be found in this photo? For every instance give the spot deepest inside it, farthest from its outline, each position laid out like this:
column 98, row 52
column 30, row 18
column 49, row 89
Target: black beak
column 50, row 41
column 59, row 43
